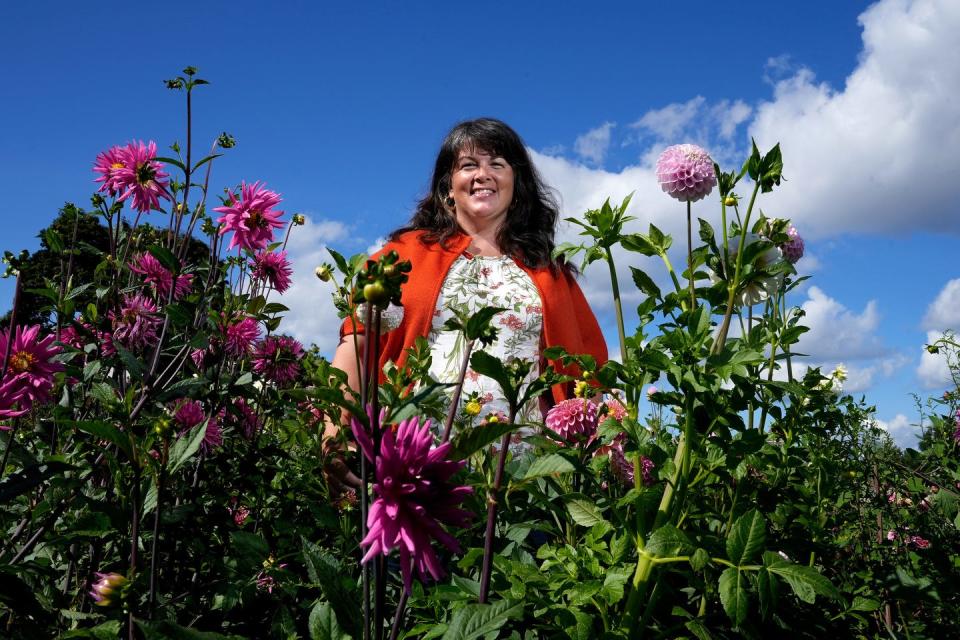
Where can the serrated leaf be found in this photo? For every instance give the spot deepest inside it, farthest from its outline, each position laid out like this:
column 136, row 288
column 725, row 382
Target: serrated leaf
column 767, row 592
column 186, row 446
column 805, row 581
column 547, row 466
column 477, row 620
column 669, row 541
column 746, row 538
column 24, row 480
column 697, row 628
column 584, row 512
column 105, row 431
column 165, row 256
column 645, row 283
column 864, row 604
column 469, row 441
column 699, row 559
column 733, row 595
column 323, row 623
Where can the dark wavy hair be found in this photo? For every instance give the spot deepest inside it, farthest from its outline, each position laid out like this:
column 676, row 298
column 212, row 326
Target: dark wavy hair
column 528, row 230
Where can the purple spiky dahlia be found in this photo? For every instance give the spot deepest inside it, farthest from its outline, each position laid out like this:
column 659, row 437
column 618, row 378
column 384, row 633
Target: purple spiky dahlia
column 273, row 268
column 135, row 325
column 132, row 171
column 28, row 378
column 685, row 172
column 415, row 497
column 160, row 278
column 251, row 217
column 277, row 358
column 189, row 414
column 574, row 420
column 239, row 333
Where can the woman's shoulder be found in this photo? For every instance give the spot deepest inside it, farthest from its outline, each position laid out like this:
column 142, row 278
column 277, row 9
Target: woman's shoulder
column 419, row 241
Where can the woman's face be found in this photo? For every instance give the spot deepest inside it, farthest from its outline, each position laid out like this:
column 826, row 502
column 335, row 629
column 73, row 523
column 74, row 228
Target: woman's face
column 481, row 186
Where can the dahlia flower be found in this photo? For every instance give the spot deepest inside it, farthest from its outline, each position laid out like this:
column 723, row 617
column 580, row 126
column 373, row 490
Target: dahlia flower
column 623, row 469
column 104, row 590
column 250, row 217
column 134, row 172
column 414, row 497
column 685, row 172
column 70, row 336
column 11, row 390
column 760, row 286
column 160, row 278
column 189, row 415
column 106, row 165
column 272, row 267
column 243, row 418
column 239, row 334
column 616, row 410
column 29, row 374
column 574, row 420
column 793, row 248
column 277, row 358
column 135, row 326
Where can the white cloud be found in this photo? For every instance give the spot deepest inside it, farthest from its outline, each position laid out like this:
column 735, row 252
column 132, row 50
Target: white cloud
column 312, row 317
column 836, row 332
column 944, row 312
column 670, row 121
column 878, row 154
column 900, row 430
column 593, row 144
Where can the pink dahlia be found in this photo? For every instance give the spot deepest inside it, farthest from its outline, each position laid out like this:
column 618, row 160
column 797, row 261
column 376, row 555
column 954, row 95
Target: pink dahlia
column 135, row 325
column 160, row 278
column 574, row 420
column 107, row 164
column 29, row 374
column 243, row 418
column 414, row 497
column 189, row 415
column 11, row 390
column 74, row 337
column 918, row 542
column 793, row 248
column 104, row 590
column 251, row 217
column 273, row 268
column 239, row 334
column 277, row 358
column 616, row 410
column 139, row 176
column 685, row 172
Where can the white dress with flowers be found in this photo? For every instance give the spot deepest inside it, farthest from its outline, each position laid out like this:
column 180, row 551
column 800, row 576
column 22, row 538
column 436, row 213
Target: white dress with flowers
column 474, row 283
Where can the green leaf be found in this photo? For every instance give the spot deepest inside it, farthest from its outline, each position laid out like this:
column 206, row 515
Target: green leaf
column 16, row 484
column 130, row 362
column 699, row 559
column 669, row 541
column 186, row 446
column 864, row 604
column 733, row 595
column 487, row 365
column 323, row 624
column 208, row 158
column 104, row 431
column 547, row 466
column 166, row 630
column 165, row 256
column 584, row 512
column 109, row 630
column 746, row 537
column 697, row 628
column 91, row 369
column 614, row 582
column 469, row 441
column 768, row 592
column 645, row 283
column 805, row 581
column 639, row 243
column 477, row 620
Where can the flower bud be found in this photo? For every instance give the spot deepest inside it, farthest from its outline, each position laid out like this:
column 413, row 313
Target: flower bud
column 324, row 273
column 581, row 389
column 730, row 201
column 299, row 219
column 472, row 408
column 105, row 590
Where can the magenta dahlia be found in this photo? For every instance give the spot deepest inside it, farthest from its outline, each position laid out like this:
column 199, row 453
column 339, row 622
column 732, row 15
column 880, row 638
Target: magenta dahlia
column 77, row 339
column 793, row 248
column 139, row 176
column 574, row 420
column 243, row 418
column 11, row 390
column 273, row 268
column 135, row 325
column 685, row 172
column 415, row 498
column 251, row 217
column 625, row 470
column 277, row 358
column 189, row 415
column 106, row 164
column 29, row 364
column 160, row 278
column 239, row 334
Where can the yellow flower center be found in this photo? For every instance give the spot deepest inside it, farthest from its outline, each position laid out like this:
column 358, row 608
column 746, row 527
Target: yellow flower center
column 22, row 361
column 117, row 165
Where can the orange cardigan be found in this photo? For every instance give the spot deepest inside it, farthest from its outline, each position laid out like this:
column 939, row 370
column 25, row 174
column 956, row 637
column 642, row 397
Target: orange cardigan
column 567, row 318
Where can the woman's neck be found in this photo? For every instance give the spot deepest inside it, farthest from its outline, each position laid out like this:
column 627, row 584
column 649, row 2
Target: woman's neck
column 483, row 242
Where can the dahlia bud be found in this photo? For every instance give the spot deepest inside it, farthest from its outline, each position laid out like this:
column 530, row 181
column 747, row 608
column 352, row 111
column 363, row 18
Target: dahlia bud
column 324, row 273
column 730, row 201
column 792, row 248
column 581, row 388
column 299, row 219
column 472, row 408
column 104, row 591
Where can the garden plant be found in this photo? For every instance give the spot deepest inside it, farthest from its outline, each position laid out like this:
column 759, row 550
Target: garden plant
column 165, row 472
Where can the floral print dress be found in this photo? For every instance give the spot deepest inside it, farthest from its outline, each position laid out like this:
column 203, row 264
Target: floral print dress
column 473, row 283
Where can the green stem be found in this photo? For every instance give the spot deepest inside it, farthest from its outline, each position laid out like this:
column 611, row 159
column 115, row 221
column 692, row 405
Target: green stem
column 673, row 274
column 733, row 286
column 616, row 305
column 693, row 293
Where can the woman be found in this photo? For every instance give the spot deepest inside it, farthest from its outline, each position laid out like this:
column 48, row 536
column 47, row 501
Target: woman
column 484, row 236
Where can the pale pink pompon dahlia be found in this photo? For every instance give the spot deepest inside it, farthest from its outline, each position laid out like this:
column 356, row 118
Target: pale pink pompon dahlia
column 793, row 248
column 415, row 498
column 251, row 217
column 685, row 172
column 573, row 420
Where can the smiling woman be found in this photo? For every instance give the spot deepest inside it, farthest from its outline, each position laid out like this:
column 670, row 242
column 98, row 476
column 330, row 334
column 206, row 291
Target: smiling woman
column 483, row 237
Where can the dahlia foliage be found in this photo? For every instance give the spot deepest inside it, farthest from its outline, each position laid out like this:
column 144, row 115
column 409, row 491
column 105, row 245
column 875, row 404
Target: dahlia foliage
column 415, row 497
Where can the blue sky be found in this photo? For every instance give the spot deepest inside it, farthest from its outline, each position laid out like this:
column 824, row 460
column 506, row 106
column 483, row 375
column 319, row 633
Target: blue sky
column 341, row 106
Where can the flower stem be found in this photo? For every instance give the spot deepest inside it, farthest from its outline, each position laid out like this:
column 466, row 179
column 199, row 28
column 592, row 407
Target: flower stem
column 364, row 497
column 693, row 294
column 732, row 287
column 455, row 400
column 492, row 512
column 614, row 283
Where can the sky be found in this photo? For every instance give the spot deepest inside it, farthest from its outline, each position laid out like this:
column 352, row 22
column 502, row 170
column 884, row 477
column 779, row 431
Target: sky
column 341, row 107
